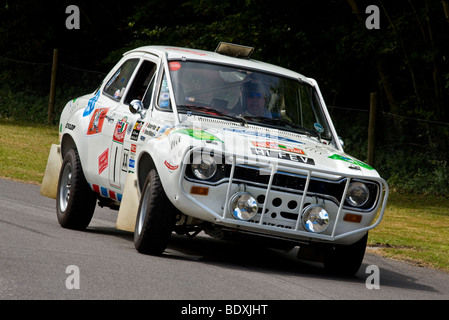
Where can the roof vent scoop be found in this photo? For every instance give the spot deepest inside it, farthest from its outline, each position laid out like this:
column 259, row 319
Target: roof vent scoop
column 234, row 50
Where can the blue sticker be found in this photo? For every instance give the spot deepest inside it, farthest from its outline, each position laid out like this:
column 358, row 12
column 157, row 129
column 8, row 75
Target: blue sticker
column 164, row 104
column 132, row 163
column 91, row 104
column 318, row 127
column 104, row 192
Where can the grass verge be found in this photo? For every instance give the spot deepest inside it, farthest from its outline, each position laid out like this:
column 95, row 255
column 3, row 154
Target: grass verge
column 24, row 149
column 414, row 229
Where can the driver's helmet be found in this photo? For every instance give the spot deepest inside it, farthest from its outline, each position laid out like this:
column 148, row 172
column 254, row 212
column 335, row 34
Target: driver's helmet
column 253, row 97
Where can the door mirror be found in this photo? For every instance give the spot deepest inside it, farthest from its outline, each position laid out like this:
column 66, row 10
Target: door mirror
column 136, row 106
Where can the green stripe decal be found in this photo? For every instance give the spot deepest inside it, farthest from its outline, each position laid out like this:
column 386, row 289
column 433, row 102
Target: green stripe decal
column 349, row 160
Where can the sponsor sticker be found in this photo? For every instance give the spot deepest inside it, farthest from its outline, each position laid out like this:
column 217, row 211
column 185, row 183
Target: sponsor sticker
column 120, row 130
column 70, row 126
column 96, row 121
column 136, row 130
column 351, row 161
column 198, row 134
column 277, row 146
column 91, row 104
column 174, row 66
column 282, row 155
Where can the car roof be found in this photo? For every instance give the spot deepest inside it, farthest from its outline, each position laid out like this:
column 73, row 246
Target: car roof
column 190, row 54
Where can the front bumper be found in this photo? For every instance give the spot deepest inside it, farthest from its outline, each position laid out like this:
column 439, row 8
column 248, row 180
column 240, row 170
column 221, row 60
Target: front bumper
column 282, row 191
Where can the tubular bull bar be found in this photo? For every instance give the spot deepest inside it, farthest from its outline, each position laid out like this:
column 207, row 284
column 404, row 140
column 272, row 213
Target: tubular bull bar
column 271, row 167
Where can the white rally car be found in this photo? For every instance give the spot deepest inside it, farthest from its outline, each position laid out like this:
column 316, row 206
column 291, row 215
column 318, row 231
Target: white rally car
column 185, row 140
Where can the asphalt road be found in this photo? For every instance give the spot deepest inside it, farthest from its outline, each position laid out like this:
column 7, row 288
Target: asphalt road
column 41, row 260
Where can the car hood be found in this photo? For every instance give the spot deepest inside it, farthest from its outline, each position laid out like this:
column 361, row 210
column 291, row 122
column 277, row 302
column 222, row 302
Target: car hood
column 283, row 146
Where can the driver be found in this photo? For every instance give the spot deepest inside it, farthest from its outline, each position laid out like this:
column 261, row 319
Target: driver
column 254, row 99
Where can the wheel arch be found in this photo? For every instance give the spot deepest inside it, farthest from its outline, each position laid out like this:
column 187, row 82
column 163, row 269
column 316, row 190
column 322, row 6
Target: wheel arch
column 67, row 143
column 145, row 165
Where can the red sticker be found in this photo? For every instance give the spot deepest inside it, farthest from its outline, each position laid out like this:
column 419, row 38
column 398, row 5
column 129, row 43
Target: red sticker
column 96, row 188
column 112, row 195
column 276, row 146
column 174, row 66
column 170, row 166
column 120, row 130
column 103, row 161
column 96, row 121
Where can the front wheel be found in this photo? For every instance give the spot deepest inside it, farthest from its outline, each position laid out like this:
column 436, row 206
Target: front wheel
column 156, row 217
column 75, row 201
column 345, row 260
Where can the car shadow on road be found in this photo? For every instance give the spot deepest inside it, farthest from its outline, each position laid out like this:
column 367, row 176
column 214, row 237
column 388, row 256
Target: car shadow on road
column 225, row 253
column 249, row 256
column 245, row 256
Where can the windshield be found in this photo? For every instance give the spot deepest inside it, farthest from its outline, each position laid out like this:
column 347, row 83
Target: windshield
column 245, row 95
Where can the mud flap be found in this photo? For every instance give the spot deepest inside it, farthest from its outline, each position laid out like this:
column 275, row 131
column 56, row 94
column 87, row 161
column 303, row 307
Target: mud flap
column 127, row 213
column 49, row 187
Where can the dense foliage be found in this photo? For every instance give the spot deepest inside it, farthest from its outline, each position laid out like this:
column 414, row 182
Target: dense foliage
column 406, row 60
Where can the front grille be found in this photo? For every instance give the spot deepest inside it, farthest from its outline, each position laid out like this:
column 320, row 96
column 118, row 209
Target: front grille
column 284, row 180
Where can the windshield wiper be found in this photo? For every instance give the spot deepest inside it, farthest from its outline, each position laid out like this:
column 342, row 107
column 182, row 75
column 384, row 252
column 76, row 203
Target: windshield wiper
column 211, row 112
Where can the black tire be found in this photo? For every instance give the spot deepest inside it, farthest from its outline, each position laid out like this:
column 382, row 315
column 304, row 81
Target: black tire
column 156, row 218
column 345, row 260
column 75, row 200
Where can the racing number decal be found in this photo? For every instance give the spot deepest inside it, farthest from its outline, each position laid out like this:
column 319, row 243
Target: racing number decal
column 125, row 159
column 122, row 160
column 118, row 153
column 115, row 168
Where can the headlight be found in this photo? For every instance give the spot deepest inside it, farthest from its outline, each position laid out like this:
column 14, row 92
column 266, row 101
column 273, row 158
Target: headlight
column 203, row 166
column 358, row 194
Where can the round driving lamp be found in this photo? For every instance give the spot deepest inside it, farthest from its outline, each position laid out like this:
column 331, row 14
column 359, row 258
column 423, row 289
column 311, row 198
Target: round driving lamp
column 203, row 166
column 358, row 194
column 315, row 219
column 243, row 206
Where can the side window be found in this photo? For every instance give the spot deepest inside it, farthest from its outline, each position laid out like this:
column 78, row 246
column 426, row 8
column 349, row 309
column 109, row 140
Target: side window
column 164, row 95
column 116, row 86
column 141, row 86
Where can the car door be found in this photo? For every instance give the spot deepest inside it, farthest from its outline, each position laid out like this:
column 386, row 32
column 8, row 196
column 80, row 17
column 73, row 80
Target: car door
column 103, row 122
column 99, row 116
column 125, row 140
